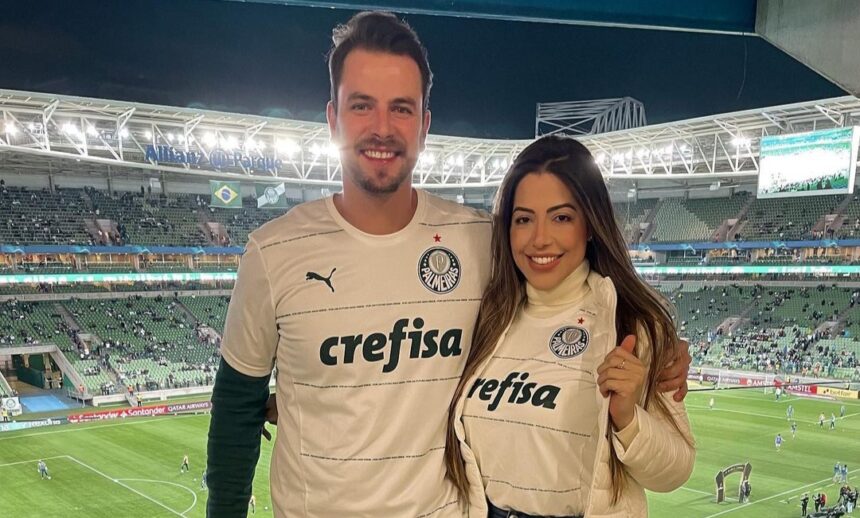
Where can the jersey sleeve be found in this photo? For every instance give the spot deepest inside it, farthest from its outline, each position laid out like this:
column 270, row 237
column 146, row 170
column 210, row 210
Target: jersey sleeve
column 250, row 336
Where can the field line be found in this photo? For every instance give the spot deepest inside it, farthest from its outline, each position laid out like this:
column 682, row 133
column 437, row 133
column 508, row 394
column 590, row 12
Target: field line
column 781, row 418
column 75, row 427
column 169, row 483
column 133, row 490
column 685, row 488
column 773, row 496
column 34, row 461
column 753, row 398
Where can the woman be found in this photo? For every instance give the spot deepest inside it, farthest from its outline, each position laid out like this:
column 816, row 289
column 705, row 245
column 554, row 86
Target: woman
column 550, row 418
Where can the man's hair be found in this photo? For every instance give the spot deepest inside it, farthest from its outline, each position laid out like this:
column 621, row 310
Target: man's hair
column 377, row 32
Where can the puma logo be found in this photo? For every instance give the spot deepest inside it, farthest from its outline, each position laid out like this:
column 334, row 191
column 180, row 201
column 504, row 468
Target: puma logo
column 313, row 276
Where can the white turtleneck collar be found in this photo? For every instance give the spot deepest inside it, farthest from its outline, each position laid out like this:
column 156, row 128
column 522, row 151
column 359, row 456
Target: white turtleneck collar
column 545, row 303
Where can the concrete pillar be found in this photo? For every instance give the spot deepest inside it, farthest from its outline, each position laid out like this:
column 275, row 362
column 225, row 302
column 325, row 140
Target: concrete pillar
column 823, row 35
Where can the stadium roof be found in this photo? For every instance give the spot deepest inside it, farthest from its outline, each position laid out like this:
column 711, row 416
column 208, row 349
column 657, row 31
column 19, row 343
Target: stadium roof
column 51, row 133
column 726, row 16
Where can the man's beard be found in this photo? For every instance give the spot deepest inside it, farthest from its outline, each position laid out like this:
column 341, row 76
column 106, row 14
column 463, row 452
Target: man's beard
column 367, row 182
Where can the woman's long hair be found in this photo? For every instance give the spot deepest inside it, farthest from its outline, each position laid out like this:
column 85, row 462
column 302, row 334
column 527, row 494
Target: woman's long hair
column 640, row 310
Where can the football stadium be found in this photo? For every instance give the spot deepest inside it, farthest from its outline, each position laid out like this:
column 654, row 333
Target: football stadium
column 123, row 225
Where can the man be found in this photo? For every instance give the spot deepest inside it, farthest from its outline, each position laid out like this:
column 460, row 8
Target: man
column 794, row 429
column 804, row 504
column 778, row 442
column 252, row 503
column 366, row 301
column 821, row 420
column 184, row 466
column 789, row 412
column 43, row 470
column 852, row 500
column 842, row 411
column 711, row 404
column 746, row 489
column 832, row 421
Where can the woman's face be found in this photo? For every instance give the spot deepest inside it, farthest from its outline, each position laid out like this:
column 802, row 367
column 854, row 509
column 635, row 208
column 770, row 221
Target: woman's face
column 548, row 230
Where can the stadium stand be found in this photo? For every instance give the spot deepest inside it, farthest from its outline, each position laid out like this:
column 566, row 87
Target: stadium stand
column 629, row 216
column 33, row 323
column 157, row 342
column 787, row 218
column 42, row 217
column 850, row 228
column 678, row 219
column 152, row 220
column 210, row 311
column 152, row 342
column 703, row 309
column 240, row 223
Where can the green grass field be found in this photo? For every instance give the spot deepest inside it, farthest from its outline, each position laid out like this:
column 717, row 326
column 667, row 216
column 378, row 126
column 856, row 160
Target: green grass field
column 742, row 428
column 130, row 468
column 124, row 469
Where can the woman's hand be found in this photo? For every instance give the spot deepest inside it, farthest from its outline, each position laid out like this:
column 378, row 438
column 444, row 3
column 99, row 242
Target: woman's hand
column 621, row 377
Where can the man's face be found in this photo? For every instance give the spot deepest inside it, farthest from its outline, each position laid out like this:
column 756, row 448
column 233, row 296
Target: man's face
column 378, row 124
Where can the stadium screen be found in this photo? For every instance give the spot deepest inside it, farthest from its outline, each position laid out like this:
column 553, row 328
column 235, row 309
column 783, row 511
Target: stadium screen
column 805, row 164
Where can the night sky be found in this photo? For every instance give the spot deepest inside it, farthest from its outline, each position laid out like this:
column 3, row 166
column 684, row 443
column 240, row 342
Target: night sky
column 269, row 60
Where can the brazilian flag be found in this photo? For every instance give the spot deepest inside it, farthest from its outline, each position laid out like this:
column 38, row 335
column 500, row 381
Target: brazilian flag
column 227, row 195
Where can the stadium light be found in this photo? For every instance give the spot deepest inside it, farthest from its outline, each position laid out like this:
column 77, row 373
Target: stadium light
column 31, row 126
column 642, row 152
column 427, row 159
column 460, row 160
column 332, row 150
column 11, row 129
column 123, row 133
column 741, row 141
column 232, row 142
column 287, row 147
column 70, row 128
column 148, row 135
column 171, row 137
column 91, row 131
column 209, row 139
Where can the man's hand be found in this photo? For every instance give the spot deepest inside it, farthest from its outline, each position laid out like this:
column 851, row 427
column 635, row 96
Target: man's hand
column 271, row 415
column 674, row 374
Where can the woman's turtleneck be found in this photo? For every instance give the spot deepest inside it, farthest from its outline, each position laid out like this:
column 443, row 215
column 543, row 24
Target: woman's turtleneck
column 548, row 303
